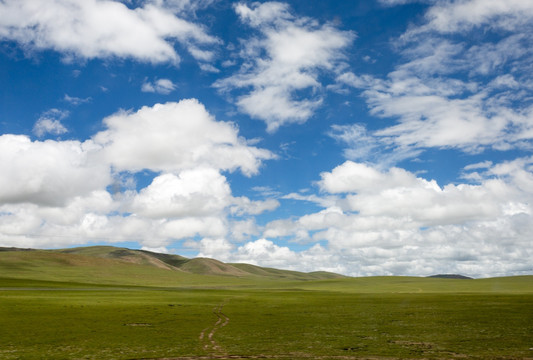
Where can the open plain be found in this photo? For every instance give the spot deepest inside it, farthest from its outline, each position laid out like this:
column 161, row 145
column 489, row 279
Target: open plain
column 109, row 303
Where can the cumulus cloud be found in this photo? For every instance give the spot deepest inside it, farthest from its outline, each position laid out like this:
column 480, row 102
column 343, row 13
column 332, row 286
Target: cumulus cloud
column 160, row 86
column 244, row 229
column 284, row 60
column 101, row 29
column 61, row 193
column 196, row 192
column 397, row 193
column 175, row 136
column 219, row 249
column 394, row 222
column 356, row 177
column 190, row 227
column 264, row 252
column 49, row 172
column 269, row 253
column 82, row 218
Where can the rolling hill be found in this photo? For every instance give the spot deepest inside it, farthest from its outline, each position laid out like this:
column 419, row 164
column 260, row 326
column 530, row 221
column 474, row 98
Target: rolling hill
column 105, row 302
column 113, row 265
column 121, row 267
column 450, row 276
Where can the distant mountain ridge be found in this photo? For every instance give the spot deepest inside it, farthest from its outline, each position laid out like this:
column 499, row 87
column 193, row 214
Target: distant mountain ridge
column 450, row 276
column 81, row 256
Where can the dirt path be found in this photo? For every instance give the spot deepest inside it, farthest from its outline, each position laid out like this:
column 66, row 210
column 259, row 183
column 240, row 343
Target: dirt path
column 207, row 339
column 276, row 357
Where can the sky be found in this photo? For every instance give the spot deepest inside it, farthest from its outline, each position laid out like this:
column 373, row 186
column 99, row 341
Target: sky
column 386, row 137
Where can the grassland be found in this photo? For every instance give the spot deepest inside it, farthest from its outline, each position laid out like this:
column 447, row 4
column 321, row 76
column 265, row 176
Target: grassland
column 56, row 305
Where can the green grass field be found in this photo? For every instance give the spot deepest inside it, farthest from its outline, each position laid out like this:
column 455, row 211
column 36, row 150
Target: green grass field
column 76, row 308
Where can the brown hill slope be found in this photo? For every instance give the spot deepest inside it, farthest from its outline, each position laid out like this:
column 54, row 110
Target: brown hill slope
column 199, row 266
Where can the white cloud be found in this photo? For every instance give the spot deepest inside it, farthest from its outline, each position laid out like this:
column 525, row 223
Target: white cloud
column 215, row 248
column 268, row 12
column 400, row 2
column 62, row 193
column 172, row 137
column 50, row 123
column 197, row 192
column 182, row 6
column 45, row 126
column 481, row 165
column 323, row 201
column 209, row 68
column 442, row 112
column 244, row 229
column 49, row 172
column 358, row 177
column 161, row 249
column 436, row 121
column 458, row 16
column 284, row 60
column 190, row 227
column 244, row 205
column 81, row 219
column 393, row 222
column 76, row 100
column 264, row 252
column 451, row 91
column 160, row 86
column 270, row 254
column 100, row 29
column 397, row 194
column 363, row 145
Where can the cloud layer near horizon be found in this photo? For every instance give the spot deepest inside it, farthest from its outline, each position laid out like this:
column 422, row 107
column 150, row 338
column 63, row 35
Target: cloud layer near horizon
column 83, row 191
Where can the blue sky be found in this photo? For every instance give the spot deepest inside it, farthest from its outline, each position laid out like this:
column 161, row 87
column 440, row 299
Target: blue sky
column 389, row 137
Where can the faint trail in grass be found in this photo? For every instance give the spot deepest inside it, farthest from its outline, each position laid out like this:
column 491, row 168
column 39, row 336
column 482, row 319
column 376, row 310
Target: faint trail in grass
column 207, row 339
column 288, row 356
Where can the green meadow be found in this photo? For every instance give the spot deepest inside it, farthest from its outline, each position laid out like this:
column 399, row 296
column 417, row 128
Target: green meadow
column 99, row 305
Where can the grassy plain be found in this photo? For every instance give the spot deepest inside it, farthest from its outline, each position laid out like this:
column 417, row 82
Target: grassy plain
column 155, row 316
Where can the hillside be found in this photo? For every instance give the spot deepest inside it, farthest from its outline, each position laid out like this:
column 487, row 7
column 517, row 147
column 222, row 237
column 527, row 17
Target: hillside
column 286, row 274
column 450, row 276
column 122, row 267
column 199, row 266
column 114, row 265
